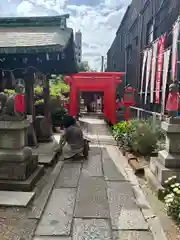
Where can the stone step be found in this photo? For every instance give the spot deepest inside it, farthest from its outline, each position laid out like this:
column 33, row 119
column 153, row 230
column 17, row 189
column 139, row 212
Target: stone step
column 47, row 159
column 58, row 214
column 15, row 199
column 102, row 139
column 161, row 172
column 107, row 140
column 169, row 160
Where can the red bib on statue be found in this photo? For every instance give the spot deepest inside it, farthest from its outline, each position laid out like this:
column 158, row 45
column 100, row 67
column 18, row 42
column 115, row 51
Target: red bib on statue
column 19, row 103
column 66, row 106
column 172, row 102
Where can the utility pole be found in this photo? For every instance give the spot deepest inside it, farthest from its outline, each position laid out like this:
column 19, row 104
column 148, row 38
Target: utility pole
column 102, row 63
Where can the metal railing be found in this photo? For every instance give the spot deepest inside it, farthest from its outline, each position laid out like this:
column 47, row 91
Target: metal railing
column 140, row 113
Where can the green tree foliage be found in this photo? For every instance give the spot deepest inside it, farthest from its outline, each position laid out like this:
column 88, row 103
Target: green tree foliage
column 137, row 136
column 58, row 85
column 84, row 67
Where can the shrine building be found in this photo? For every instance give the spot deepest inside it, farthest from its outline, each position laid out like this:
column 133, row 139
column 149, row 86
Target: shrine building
column 35, row 45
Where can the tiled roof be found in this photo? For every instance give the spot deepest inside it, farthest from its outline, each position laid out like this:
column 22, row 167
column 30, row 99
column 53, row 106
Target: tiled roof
column 33, row 39
column 32, row 21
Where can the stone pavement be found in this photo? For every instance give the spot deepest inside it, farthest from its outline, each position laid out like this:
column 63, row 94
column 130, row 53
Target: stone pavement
column 98, row 199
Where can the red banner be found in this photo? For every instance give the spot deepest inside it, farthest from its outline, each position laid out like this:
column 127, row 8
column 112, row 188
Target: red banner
column 19, row 103
column 159, row 67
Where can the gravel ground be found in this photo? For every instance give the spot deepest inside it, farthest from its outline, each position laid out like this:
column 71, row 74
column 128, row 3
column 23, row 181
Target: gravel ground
column 14, row 222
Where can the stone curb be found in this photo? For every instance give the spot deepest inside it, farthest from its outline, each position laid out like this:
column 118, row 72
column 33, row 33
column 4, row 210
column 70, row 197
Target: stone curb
column 152, row 220
column 39, row 204
column 154, row 184
column 156, row 229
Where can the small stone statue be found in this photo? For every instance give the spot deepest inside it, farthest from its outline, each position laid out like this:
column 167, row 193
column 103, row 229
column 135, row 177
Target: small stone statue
column 3, row 100
column 173, row 100
column 8, row 112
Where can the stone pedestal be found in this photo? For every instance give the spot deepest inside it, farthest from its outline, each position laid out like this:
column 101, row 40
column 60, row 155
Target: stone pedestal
column 19, row 168
column 43, row 129
column 167, row 164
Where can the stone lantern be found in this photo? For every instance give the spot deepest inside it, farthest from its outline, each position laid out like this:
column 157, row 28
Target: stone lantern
column 167, row 164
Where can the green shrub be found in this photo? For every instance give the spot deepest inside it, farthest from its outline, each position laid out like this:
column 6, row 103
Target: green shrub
column 57, row 113
column 9, row 92
column 119, row 129
column 38, row 90
column 144, row 139
column 136, row 136
column 40, row 101
column 57, row 89
column 57, row 116
column 57, row 110
column 39, row 107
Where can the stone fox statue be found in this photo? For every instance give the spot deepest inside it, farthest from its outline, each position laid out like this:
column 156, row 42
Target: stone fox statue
column 7, row 106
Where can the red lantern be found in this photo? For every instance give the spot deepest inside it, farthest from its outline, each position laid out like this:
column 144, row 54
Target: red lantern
column 128, row 101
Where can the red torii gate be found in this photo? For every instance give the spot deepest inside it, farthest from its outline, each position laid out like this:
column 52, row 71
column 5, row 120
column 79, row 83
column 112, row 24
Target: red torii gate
column 95, row 82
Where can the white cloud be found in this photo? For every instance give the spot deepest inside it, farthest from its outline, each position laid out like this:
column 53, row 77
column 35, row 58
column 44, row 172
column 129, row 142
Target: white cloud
column 97, row 22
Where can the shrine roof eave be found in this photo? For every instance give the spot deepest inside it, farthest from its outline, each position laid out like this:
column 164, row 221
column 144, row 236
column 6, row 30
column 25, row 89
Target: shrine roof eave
column 32, row 49
column 34, row 40
column 35, row 21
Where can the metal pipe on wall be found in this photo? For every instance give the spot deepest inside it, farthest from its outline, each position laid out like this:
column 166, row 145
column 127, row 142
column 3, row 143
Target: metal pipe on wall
column 139, row 49
column 102, row 63
column 125, row 60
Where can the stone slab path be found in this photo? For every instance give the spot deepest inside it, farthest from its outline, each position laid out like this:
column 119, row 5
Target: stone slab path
column 98, row 199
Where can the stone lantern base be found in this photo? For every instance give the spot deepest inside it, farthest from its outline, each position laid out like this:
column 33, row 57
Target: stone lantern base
column 167, row 164
column 19, row 169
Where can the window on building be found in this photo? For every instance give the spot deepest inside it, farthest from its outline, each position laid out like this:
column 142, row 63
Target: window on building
column 136, row 40
column 150, row 32
column 129, row 52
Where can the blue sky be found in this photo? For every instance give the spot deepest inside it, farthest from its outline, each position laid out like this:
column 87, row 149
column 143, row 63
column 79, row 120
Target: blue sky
column 98, row 20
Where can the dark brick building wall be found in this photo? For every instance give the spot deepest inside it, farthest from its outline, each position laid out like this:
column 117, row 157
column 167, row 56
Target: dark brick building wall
column 143, row 22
